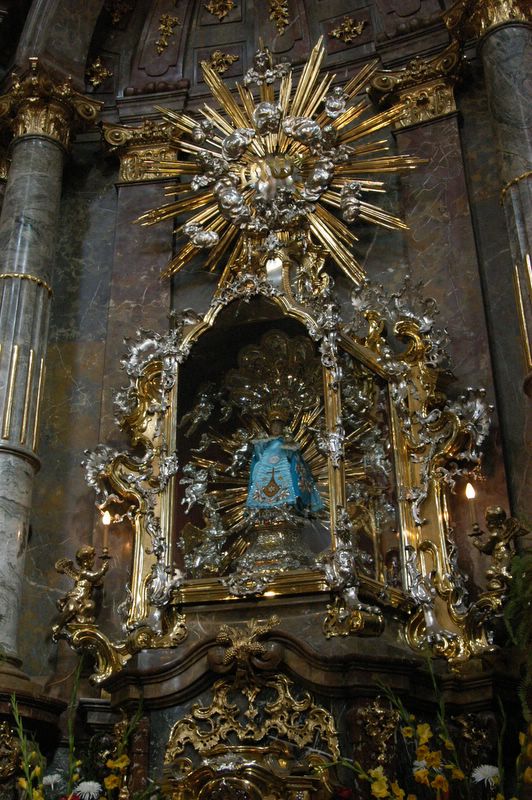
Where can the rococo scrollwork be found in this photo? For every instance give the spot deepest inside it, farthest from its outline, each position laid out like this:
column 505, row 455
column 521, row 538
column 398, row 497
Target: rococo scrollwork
column 281, row 443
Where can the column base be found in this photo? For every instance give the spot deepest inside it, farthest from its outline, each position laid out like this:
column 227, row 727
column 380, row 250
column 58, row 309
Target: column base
column 40, row 712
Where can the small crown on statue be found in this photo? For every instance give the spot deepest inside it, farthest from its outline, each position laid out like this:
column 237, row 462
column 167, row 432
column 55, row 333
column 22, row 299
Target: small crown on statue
column 279, row 412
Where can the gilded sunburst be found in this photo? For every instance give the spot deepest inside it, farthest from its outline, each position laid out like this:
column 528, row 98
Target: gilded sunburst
column 285, row 164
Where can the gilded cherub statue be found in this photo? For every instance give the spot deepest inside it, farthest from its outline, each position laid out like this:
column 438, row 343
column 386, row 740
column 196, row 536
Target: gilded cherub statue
column 501, row 543
column 77, row 605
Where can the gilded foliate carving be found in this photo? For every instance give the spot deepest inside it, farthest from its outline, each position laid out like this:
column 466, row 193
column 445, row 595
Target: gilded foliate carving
column 252, row 713
column 118, row 9
column 97, row 73
column 143, row 151
column 220, row 8
column 38, row 105
column 348, row 30
column 220, row 61
column 9, row 752
column 167, row 23
column 474, row 18
column 425, row 87
column 279, row 14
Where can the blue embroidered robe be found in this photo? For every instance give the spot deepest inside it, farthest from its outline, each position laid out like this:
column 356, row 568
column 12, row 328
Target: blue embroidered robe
column 279, row 476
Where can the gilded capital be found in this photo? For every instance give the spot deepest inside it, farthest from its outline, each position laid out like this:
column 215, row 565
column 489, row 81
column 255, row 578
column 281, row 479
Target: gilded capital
column 470, row 19
column 139, row 148
column 36, row 104
column 424, row 86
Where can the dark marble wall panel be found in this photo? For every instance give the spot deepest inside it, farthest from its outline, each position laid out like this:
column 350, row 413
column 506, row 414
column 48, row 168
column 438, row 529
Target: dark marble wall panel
column 139, row 298
column 442, row 252
column 63, row 504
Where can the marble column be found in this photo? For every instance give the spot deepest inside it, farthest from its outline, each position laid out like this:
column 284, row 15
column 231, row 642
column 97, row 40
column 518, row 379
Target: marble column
column 42, row 116
column 506, row 52
column 504, row 32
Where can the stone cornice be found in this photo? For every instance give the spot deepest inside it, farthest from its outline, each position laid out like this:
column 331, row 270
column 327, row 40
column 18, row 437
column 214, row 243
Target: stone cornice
column 38, row 105
column 470, row 19
column 136, row 145
column 424, row 86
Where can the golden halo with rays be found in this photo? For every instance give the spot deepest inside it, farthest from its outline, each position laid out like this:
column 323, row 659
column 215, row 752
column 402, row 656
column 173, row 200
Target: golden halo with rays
column 268, row 169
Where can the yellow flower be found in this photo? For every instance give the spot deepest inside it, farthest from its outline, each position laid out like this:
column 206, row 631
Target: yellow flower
column 529, row 750
column 37, row 794
column 75, row 777
column 433, row 758
column 122, row 762
column 422, row 752
column 36, row 771
column 377, row 773
column 424, row 732
column 411, row 797
column 112, row 782
column 397, row 791
column 448, row 744
column 421, row 776
column 499, row 796
column 457, row 773
column 111, row 763
column 22, row 783
column 527, row 775
column 522, row 738
column 408, row 732
column 380, row 788
column 440, row 782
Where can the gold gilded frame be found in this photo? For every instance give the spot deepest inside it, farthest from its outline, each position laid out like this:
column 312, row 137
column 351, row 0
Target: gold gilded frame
column 433, row 442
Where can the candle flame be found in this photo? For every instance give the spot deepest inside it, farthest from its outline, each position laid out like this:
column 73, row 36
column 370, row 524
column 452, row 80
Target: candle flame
column 106, row 518
column 470, row 492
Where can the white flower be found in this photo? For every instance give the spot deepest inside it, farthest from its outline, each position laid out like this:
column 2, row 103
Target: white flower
column 487, row 773
column 51, row 780
column 88, row 790
column 420, row 765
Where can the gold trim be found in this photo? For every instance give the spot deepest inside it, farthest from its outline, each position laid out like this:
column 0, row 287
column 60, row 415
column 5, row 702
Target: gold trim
column 513, row 182
column 38, row 405
column 469, row 19
column 523, row 326
column 24, row 276
column 10, row 392
column 38, row 105
column 143, row 151
column 27, row 397
column 425, row 87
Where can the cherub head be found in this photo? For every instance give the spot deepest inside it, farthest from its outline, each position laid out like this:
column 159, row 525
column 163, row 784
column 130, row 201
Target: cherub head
column 85, row 555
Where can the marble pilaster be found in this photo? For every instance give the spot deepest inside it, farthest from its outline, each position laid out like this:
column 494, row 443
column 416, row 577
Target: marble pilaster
column 41, row 115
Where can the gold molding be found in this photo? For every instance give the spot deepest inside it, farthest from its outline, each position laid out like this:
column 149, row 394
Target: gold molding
column 9, row 752
column 167, row 23
column 26, row 277
column 523, row 324
column 469, row 19
column 424, row 86
column 38, row 105
column 137, row 147
column 514, row 182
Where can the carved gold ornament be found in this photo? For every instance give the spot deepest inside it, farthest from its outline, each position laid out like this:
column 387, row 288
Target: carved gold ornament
column 9, row 752
column 474, row 18
column 167, row 23
column 425, row 87
column 348, row 30
column 37, row 105
column 279, row 14
column 272, row 169
column 97, row 73
column 220, row 8
column 271, row 707
column 118, row 9
column 138, row 148
column 220, row 62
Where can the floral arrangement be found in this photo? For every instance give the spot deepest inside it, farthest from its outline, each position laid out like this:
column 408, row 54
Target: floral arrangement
column 429, row 765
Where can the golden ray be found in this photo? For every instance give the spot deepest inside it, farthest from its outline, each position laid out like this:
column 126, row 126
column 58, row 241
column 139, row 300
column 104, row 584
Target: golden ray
column 244, row 180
